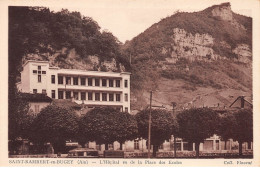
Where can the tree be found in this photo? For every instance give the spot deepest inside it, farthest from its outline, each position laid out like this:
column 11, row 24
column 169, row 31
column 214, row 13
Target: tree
column 34, row 30
column 55, row 125
column 243, row 128
column 197, row 124
column 24, row 37
column 161, row 126
column 105, row 125
column 127, row 128
column 19, row 119
column 108, row 46
column 226, row 127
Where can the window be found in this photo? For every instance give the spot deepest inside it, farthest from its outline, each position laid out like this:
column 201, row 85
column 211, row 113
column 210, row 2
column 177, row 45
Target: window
column 86, row 145
column 39, row 72
column 34, row 71
column 68, row 80
column 126, row 97
column 97, row 82
column 126, row 109
column 136, row 144
column 117, row 83
column 34, row 91
column 104, row 82
column 39, row 67
column 83, row 81
column 68, row 95
column 36, row 109
column 97, row 96
column 110, row 147
column 90, row 97
column 60, row 94
column 160, row 147
column 111, row 97
column 118, row 97
column 98, row 147
column 43, row 91
column 76, row 95
column 89, row 81
column 111, row 83
column 80, row 153
column 75, row 81
column 43, row 72
column 60, row 79
column 52, row 78
column 53, row 94
column 83, row 95
column 126, row 83
column 39, row 78
column 217, row 144
column 104, row 96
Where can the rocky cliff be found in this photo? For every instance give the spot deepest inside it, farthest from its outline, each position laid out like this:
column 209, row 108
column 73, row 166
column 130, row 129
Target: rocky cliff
column 69, row 59
column 200, row 47
column 223, row 11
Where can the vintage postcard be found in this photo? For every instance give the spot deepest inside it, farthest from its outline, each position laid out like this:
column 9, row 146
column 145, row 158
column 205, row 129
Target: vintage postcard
column 130, row 83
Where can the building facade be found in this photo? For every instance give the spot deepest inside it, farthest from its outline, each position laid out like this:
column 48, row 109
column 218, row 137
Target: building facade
column 36, row 101
column 91, row 88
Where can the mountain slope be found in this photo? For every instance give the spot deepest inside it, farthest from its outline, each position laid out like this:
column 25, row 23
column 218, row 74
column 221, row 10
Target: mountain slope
column 189, row 54
column 66, row 39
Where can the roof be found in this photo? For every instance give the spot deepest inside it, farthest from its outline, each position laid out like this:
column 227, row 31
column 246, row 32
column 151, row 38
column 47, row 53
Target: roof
column 241, row 102
column 66, row 103
column 36, row 61
column 35, row 97
column 77, row 70
column 65, row 71
column 82, row 149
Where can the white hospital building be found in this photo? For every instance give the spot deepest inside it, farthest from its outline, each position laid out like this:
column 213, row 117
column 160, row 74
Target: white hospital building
column 91, row 88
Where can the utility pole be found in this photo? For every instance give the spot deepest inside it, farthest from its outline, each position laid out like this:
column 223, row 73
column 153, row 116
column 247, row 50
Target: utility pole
column 130, row 59
column 149, row 125
column 174, row 139
column 242, row 101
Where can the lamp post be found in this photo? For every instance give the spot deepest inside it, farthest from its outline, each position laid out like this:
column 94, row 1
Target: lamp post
column 149, row 126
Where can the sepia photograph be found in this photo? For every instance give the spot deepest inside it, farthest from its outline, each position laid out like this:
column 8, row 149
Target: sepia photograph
column 107, row 81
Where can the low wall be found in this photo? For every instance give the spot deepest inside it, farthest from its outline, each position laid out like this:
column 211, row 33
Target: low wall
column 190, row 154
column 34, row 156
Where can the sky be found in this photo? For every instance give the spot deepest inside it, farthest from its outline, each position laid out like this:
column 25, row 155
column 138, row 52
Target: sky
column 128, row 18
